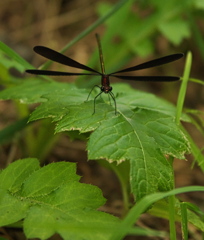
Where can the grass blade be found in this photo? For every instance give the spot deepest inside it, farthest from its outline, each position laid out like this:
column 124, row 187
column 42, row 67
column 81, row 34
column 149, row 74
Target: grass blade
column 143, row 205
column 183, row 88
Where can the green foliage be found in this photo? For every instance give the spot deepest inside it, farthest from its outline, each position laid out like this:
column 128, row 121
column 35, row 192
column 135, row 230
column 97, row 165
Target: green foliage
column 14, row 61
column 142, row 25
column 194, row 214
column 51, row 200
column 6, row 134
column 146, row 202
column 141, row 132
column 170, row 30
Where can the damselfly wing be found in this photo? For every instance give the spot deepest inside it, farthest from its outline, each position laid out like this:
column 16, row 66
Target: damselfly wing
column 105, row 82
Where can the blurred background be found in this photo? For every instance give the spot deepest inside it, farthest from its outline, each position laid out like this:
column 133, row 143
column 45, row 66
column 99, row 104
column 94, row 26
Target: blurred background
column 134, row 32
column 131, row 32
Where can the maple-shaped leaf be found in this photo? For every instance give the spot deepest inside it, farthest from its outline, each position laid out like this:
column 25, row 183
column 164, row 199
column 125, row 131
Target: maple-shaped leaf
column 51, row 200
column 142, row 132
column 170, row 30
column 33, row 90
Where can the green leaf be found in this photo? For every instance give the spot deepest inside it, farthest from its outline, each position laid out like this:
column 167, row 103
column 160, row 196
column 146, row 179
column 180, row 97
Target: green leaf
column 175, row 30
column 161, row 209
column 143, row 205
column 199, row 4
column 59, row 174
column 51, row 200
column 16, row 61
column 137, row 26
column 15, row 174
column 140, row 138
column 142, row 133
column 9, row 206
column 145, row 48
column 32, row 90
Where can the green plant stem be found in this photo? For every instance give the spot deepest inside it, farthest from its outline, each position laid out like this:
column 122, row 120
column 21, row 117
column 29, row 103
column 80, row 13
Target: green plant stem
column 172, row 217
column 182, row 92
column 40, row 143
column 44, row 140
column 142, row 206
column 114, row 9
column 23, row 111
column 172, row 201
column 196, row 81
column 123, row 183
column 194, row 148
column 180, row 103
column 184, row 220
column 179, row 109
